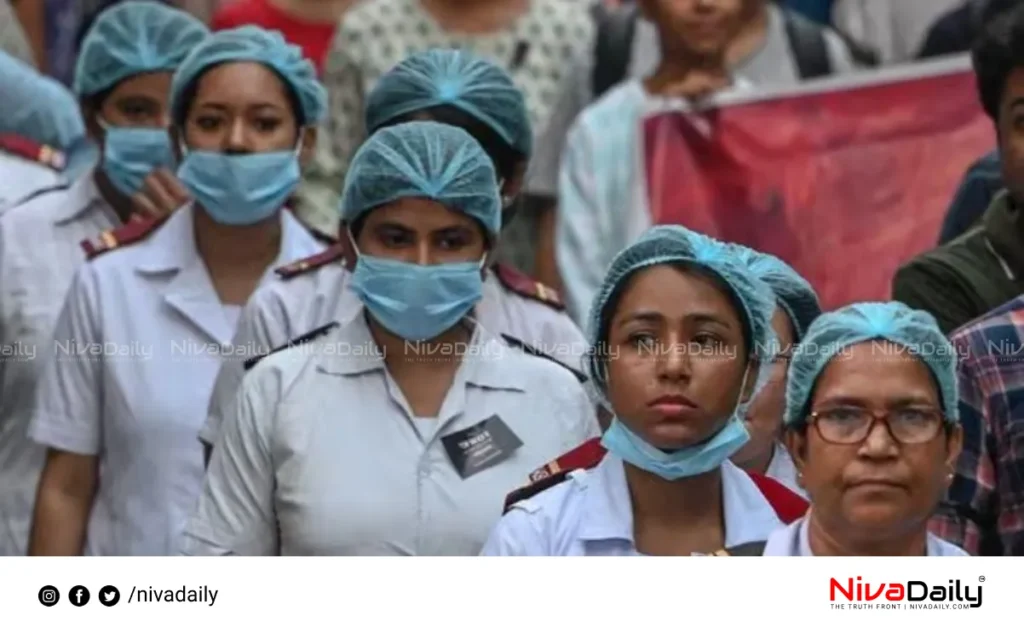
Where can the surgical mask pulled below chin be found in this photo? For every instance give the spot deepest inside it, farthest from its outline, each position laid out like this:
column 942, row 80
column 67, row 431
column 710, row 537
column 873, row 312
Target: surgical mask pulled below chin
column 131, row 153
column 416, row 302
column 685, row 462
column 240, row 189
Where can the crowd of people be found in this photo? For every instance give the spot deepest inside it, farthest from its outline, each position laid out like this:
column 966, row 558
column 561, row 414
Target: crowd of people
column 333, row 278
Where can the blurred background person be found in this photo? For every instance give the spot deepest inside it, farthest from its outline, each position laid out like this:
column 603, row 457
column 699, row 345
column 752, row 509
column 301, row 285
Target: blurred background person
column 955, row 31
column 761, row 44
column 43, row 142
column 983, row 512
column 122, row 473
column 872, row 424
column 983, row 268
column 534, row 40
column 448, row 417
column 677, row 334
column 309, row 24
column 894, row 30
column 982, row 182
column 796, row 308
column 123, row 81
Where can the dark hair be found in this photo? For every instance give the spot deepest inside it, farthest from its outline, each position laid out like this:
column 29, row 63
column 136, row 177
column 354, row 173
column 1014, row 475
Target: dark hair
column 188, row 96
column 505, row 158
column 998, row 51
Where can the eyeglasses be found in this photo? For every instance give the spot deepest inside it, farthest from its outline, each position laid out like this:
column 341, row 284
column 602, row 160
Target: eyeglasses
column 852, row 425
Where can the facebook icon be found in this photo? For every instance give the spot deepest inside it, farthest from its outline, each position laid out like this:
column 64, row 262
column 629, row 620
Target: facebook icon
column 79, row 596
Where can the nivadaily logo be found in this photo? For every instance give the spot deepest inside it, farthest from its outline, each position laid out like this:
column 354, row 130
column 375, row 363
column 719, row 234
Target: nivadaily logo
column 912, row 594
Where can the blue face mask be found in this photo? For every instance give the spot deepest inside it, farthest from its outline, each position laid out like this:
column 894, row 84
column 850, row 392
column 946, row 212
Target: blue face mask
column 417, row 302
column 686, row 462
column 131, row 153
column 240, row 189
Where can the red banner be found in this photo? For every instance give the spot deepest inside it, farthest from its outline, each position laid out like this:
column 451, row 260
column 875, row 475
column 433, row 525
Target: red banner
column 845, row 184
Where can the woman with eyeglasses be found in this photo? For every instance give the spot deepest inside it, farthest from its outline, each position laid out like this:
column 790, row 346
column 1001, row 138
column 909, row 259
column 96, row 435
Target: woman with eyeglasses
column 872, row 425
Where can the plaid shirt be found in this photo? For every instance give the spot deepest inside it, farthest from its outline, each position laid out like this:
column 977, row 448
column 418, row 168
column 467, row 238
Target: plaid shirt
column 983, row 511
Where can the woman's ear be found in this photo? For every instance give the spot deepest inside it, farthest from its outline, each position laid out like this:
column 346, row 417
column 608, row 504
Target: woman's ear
column 308, row 151
column 954, row 444
column 90, row 115
column 514, row 183
column 348, row 249
column 796, row 443
column 750, row 379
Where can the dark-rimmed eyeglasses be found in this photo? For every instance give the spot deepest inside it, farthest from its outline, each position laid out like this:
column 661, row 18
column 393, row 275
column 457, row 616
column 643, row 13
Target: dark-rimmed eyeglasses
column 852, row 425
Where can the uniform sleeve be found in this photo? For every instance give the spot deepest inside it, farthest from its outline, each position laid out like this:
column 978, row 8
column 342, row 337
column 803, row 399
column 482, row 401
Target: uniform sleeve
column 971, row 501
column 69, row 407
column 236, row 514
column 922, row 286
column 257, row 333
column 342, row 133
column 518, row 533
column 577, row 243
column 542, row 178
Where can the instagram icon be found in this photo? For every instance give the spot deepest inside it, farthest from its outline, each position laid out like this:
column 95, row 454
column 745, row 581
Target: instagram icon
column 49, row 596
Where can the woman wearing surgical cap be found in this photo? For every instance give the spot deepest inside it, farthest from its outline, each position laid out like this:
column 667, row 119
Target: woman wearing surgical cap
column 123, row 471
column 796, row 308
column 452, row 87
column 872, row 424
column 432, row 419
column 678, row 332
column 535, row 41
column 41, row 133
column 124, row 71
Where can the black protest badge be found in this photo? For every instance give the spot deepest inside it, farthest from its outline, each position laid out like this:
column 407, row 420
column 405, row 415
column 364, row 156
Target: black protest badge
column 481, row 446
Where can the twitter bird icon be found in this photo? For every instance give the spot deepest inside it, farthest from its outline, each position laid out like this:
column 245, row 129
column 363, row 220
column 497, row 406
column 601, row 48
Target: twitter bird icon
column 109, row 596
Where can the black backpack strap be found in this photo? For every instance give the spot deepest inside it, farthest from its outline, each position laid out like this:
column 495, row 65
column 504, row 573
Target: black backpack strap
column 745, row 549
column 810, row 49
column 613, row 45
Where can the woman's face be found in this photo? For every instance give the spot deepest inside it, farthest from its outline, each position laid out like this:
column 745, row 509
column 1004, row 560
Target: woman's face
column 243, row 108
column 676, row 357
column 877, row 488
column 138, row 101
column 420, row 231
column 764, row 417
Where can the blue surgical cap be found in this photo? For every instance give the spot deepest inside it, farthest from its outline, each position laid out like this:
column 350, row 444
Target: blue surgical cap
column 794, row 294
column 132, row 38
column 37, row 107
column 423, row 159
column 894, row 322
column 253, row 44
column 459, row 79
column 677, row 245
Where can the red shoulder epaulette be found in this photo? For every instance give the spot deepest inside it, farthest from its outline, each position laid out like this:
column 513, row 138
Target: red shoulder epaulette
column 313, row 262
column 31, row 150
column 586, row 456
column 525, row 286
column 128, row 233
column 788, row 505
